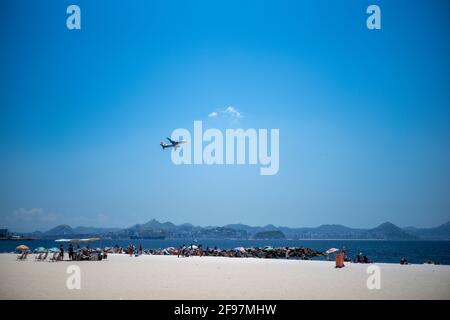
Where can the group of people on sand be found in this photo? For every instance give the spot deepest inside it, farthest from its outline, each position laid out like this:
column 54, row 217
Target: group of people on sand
column 70, row 251
column 191, row 250
column 240, row 252
column 360, row 258
column 404, row 261
column 131, row 250
column 84, row 253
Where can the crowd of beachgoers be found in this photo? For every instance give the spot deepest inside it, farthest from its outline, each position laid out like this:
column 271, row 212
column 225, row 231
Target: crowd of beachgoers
column 239, row 252
column 77, row 253
column 58, row 254
column 86, row 253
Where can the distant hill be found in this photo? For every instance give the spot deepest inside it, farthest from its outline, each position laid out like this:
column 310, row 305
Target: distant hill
column 441, row 232
column 327, row 231
column 154, row 224
column 389, row 231
column 385, row 231
column 250, row 229
column 269, row 235
column 59, row 230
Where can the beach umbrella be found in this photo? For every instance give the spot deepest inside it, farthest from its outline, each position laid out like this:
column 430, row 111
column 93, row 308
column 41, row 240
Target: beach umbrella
column 22, row 247
column 268, row 248
column 40, row 250
column 53, row 249
column 239, row 249
column 331, row 250
column 194, row 247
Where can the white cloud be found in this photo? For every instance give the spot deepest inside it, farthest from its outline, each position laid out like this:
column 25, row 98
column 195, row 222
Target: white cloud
column 233, row 112
column 229, row 112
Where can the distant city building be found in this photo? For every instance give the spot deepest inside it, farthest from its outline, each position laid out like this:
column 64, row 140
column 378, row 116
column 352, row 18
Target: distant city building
column 4, row 233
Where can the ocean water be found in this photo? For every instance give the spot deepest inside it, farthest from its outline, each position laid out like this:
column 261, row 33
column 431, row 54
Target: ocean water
column 375, row 250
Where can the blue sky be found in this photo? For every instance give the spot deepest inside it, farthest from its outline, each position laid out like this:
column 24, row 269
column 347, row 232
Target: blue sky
column 363, row 115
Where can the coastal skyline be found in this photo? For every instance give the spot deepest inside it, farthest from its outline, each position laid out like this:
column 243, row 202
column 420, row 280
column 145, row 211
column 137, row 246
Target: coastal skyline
column 363, row 114
column 154, row 229
column 154, row 225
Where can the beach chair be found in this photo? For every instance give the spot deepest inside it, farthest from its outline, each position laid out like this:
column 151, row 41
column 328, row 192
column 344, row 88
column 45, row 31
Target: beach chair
column 45, row 256
column 42, row 256
column 21, row 256
column 38, row 257
column 54, row 258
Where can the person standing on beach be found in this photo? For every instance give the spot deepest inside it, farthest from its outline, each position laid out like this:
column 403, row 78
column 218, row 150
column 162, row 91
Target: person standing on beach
column 140, row 249
column 61, row 252
column 359, row 258
column 70, row 251
column 344, row 252
column 131, row 250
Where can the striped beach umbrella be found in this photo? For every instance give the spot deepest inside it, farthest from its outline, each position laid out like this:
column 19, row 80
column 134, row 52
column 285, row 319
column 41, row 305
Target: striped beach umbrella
column 22, row 247
column 331, row 250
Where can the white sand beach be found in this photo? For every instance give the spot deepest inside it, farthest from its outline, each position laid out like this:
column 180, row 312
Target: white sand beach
column 169, row 277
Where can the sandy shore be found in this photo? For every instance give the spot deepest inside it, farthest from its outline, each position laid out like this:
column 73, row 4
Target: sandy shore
column 169, row 277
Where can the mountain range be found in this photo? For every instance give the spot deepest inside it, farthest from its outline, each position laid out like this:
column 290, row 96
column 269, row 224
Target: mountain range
column 154, row 228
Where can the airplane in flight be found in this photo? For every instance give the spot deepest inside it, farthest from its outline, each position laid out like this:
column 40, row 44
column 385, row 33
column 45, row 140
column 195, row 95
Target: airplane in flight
column 173, row 144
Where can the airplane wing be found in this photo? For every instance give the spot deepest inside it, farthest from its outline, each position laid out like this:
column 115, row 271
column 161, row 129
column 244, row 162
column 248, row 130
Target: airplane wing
column 171, row 141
